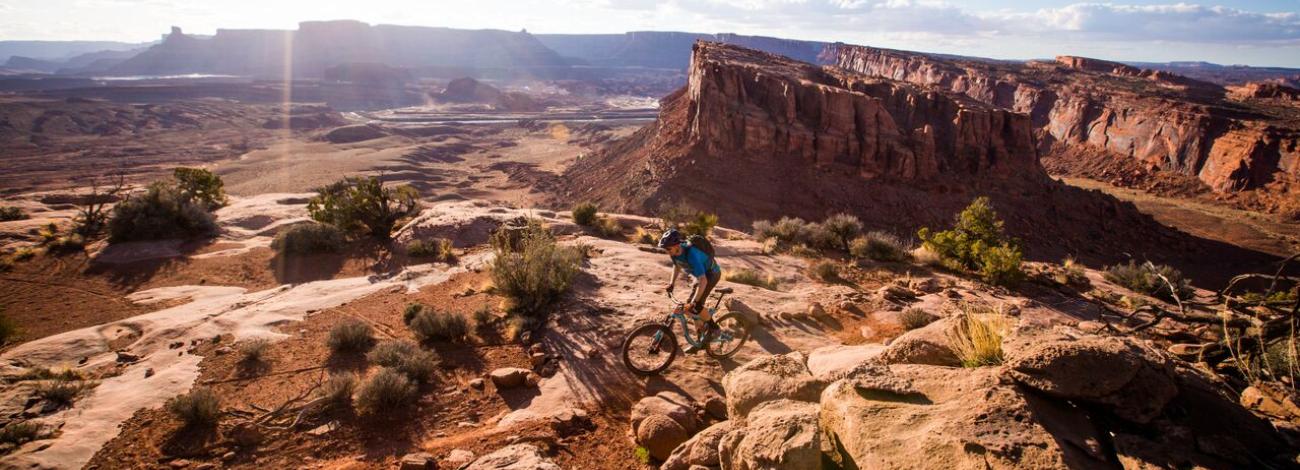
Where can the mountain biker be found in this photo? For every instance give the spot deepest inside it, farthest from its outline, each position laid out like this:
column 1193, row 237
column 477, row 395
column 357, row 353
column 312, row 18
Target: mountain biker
column 700, row 265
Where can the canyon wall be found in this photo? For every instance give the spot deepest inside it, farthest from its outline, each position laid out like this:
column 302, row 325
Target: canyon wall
column 1161, row 120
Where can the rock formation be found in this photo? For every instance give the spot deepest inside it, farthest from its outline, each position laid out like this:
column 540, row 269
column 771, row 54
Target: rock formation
column 469, row 90
column 759, row 136
column 1077, row 104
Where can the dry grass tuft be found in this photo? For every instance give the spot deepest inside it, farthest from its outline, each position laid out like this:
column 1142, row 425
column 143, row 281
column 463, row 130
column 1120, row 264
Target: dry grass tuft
column 976, row 337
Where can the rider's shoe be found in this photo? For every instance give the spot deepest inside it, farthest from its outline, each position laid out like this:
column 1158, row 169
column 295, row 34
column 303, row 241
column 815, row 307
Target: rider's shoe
column 710, row 330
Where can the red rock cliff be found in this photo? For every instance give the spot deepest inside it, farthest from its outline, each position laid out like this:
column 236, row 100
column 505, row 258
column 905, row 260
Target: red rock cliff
column 1161, row 120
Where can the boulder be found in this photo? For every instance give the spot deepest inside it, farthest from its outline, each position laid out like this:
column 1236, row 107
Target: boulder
column 1137, row 382
column 779, row 434
column 716, row 408
column 514, row 457
column 673, row 405
column 699, row 450
column 766, row 379
column 510, row 377
column 831, row 361
column 925, row 345
column 659, row 434
column 417, row 461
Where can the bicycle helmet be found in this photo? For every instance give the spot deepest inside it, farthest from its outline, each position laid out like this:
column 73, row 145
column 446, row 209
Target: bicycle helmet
column 670, row 237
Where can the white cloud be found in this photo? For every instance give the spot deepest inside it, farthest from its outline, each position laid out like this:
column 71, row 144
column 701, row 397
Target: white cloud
column 1177, row 22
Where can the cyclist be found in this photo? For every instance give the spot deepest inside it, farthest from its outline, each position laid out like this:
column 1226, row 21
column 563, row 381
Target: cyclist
column 699, row 264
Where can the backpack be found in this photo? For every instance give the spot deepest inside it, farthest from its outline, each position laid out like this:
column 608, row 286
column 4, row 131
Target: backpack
column 702, row 243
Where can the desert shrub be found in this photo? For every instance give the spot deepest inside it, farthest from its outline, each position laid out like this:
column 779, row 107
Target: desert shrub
column 440, row 249
column 364, row 205
column 517, row 325
column 584, row 214
column 843, row 228
column 645, row 237
column 431, row 325
column 253, row 351
column 483, row 317
column 351, row 335
column 976, row 242
column 200, row 186
column 608, row 227
column 63, row 390
column 338, row 389
column 21, row 432
column 879, row 246
column 976, row 338
column 12, row 213
column 536, row 274
column 65, row 244
column 1280, row 359
column 1145, row 279
column 411, row 310
column 405, row 357
column 309, row 238
column 701, row 223
column 914, row 318
column 23, row 254
column 827, row 271
column 8, row 328
column 804, row 251
column 643, row 455
column 752, row 278
column 1071, row 273
column 160, row 212
column 821, row 237
column 199, row 408
column 387, row 390
column 790, row 230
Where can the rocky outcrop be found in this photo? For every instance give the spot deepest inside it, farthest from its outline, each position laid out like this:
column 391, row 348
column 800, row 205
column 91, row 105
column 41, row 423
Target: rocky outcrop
column 1063, row 399
column 1162, row 120
column 469, row 90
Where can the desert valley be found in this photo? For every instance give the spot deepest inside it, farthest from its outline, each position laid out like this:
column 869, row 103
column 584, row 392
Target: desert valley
column 357, row 246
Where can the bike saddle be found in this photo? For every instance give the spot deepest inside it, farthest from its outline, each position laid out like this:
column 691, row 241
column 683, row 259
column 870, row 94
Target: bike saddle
column 723, row 290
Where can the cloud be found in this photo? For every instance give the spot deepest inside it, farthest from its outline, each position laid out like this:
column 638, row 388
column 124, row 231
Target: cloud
column 1178, row 22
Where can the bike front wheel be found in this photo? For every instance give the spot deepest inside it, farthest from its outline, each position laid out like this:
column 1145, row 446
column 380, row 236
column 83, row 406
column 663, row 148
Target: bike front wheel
column 649, row 349
column 733, row 332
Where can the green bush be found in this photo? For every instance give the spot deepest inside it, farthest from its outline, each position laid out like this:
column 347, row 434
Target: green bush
column 843, row 228
column 914, row 318
column 309, row 238
column 200, row 186
column 364, row 205
column 12, row 213
column 439, row 249
column 338, row 390
column 977, row 243
column 386, row 391
column 351, row 335
column 161, row 212
column 1145, row 279
column 405, row 357
column 584, row 214
column 701, row 224
column 431, row 325
column 199, row 408
column 880, row 246
column 21, row 432
column 536, row 274
column 752, row 278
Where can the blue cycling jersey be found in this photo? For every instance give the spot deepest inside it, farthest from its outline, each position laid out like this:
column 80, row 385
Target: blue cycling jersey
column 695, row 261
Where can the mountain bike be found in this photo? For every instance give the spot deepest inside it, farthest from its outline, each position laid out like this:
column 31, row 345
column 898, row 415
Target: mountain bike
column 651, row 348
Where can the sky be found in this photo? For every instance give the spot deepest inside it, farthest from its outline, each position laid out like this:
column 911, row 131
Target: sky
column 1253, row 32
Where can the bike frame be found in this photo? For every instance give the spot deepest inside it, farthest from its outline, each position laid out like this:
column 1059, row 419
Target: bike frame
column 679, row 314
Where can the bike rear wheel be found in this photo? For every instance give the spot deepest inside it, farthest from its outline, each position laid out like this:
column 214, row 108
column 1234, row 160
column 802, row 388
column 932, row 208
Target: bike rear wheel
column 649, row 349
column 733, row 332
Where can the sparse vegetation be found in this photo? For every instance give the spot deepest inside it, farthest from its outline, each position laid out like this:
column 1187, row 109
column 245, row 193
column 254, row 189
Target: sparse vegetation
column 200, row 186
column 483, row 317
column 385, row 391
column 351, row 335
column 537, row 273
column 9, row 213
column 879, row 246
column 914, row 318
column 338, row 390
column 584, row 214
column 364, row 205
column 199, row 408
column 1146, row 279
column 843, row 228
column 977, row 243
column 405, row 357
column 608, row 227
column 21, row 432
column 702, row 223
column 309, row 238
column 8, row 328
column 752, row 278
column 827, row 271
column 24, row 254
column 439, row 249
column 92, row 209
column 160, row 212
column 645, row 237
column 66, row 244
column 63, row 390
column 253, row 352
column 431, row 325
column 976, row 337
column 1071, row 273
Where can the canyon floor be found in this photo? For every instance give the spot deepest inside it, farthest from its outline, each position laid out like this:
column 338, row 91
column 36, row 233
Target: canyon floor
column 146, row 321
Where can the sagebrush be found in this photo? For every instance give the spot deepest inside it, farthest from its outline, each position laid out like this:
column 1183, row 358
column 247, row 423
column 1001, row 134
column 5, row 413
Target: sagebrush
column 584, row 214
column 162, row 211
column 1145, row 278
column 199, row 408
column 431, row 325
column 537, row 273
column 351, row 335
column 309, row 238
column 405, row 357
column 386, row 391
column 753, row 278
column 439, row 249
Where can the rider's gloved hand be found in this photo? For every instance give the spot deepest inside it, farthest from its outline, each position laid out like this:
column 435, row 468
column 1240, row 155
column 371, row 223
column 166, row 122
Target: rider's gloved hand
column 669, row 289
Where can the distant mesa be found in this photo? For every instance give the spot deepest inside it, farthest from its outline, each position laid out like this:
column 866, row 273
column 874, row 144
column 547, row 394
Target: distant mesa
column 354, row 133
